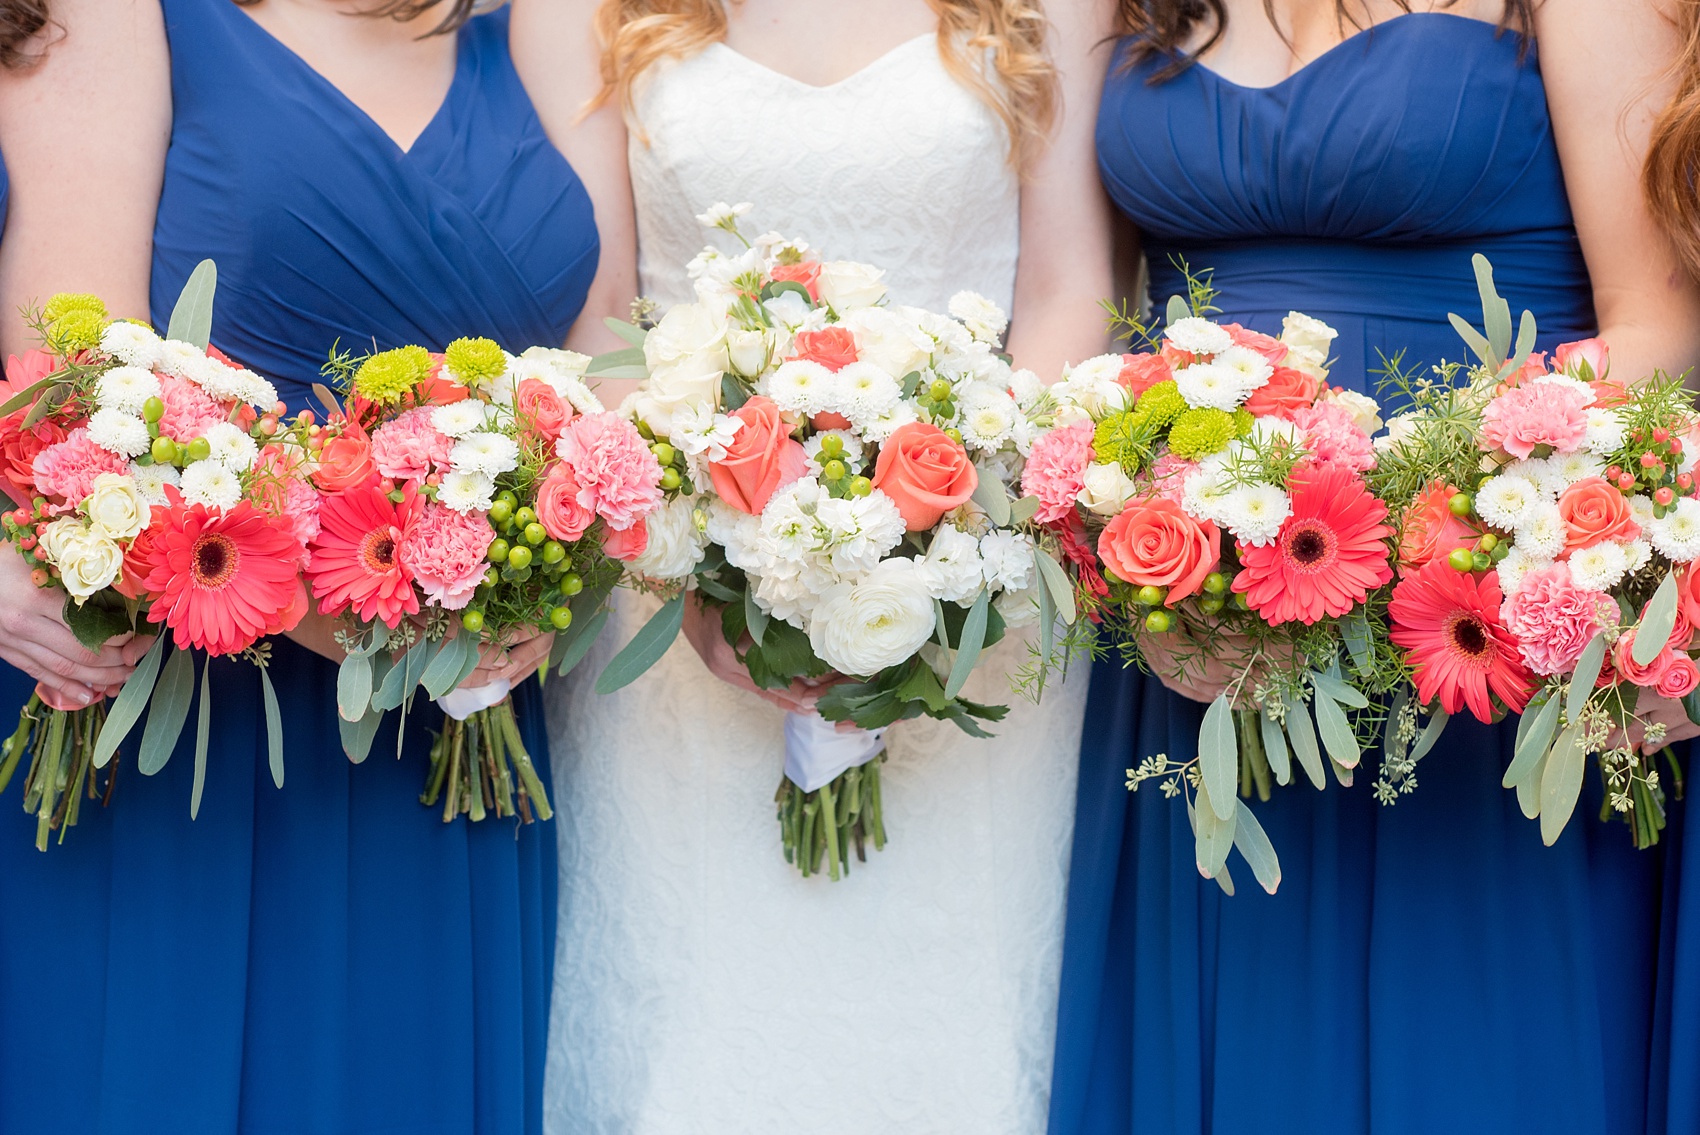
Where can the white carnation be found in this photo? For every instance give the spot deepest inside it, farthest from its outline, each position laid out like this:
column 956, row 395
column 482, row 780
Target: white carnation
column 491, row 454
column 1007, row 559
column 131, row 344
column 676, row 543
column 953, row 569
column 1506, row 500
column 1255, row 513
column 1197, row 335
column 1599, row 567
column 150, row 481
column 458, row 419
column 232, row 447
column 466, row 492
column 126, row 389
column 984, row 319
column 880, row 621
column 211, row 484
column 120, row 433
column 1543, row 531
column 1676, row 535
column 1094, row 385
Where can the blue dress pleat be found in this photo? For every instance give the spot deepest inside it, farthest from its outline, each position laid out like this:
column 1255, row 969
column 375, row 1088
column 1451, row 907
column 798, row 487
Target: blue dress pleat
column 329, row 958
column 1427, row 966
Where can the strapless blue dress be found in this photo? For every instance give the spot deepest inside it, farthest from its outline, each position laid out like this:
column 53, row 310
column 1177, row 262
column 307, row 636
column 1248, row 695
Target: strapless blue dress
column 331, row 958
column 1426, row 967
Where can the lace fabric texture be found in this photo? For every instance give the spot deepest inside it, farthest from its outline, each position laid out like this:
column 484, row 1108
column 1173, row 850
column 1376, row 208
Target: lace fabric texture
column 701, row 985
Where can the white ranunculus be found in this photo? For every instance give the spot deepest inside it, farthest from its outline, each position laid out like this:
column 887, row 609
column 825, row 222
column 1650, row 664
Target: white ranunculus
column 88, row 562
column 846, row 284
column 115, row 508
column 861, row 628
column 1105, row 488
column 676, row 543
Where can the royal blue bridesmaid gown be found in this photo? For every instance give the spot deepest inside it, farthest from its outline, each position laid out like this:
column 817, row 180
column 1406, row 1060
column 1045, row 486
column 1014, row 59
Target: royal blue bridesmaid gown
column 331, row 958
column 1427, row 967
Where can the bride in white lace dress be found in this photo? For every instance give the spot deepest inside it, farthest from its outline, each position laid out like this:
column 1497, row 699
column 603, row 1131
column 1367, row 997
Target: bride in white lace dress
column 701, row 985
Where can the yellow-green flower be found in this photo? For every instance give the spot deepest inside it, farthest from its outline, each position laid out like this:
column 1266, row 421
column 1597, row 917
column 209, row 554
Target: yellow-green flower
column 65, row 303
column 1162, row 403
column 76, row 330
column 474, row 362
column 1244, row 419
column 1199, row 433
column 388, row 375
column 1123, row 438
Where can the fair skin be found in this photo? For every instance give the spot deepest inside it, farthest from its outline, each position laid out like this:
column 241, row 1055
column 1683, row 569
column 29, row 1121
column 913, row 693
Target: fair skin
column 1065, row 219
column 1604, row 64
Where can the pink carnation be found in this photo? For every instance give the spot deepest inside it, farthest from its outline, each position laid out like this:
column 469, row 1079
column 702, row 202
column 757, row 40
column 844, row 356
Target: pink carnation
column 67, row 469
column 301, row 509
column 1333, row 438
column 189, row 410
column 1544, row 413
column 444, row 551
column 1553, row 619
column 618, row 477
column 1169, row 474
column 407, row 447
column 1055, row 470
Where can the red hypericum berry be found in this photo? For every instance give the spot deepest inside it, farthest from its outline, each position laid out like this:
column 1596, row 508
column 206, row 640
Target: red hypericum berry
column 1612, row 472
column 39, row 577
column 1685, row 480
column 307, row 418
column 279, row 409
column 27, row 543
column 41, row 529
column 1663, row 495
column 1660, row 434
column 1676, row 445
column 434, row 479
column 386, row 485
column 1626, row 481
column 1648, row 461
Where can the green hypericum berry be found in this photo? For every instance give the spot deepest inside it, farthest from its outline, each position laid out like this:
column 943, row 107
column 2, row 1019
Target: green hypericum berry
column 519, row 557
column 524, row 516
column 561, row 618
column 153, row 409
column 1461, row 504
column 1216, row 583
column 1461, row 559
column 670, row 479
column 501, row 511
column 860, row 486
column 472, row 619
column 200, row 449
column 1211, row 604
column 498, row 550
column 164, row 451
column 834, row 470
column 664, row 453
column 553, row 552
column 1150, row 596
column 1158, row 621
column 571, row 584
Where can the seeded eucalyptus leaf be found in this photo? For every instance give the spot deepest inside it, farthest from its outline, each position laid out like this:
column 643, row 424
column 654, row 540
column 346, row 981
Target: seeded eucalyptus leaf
column 1341, row 773
column 444, row 668
column 1525, row 342
column 1691, row 706
column 580, row 637
column 354, row 687
column 1529, row 789
column 1340, row 691
column 1214, row 835
column 168, row 713
column 646, row 647
column 1056, row 581
column 1303, row 735
column 1178, row 310
column 1587, row 672
column 1473, row 339
column 274, row 728
column 357, row 735
column 28, row 394
column 755, row 619
column 1022, row 510
column 630, row 332
column 617, row 360
column 127, row 708
column 1561, row 783
column 1533, row 744
column 1219, row 757
column 1275, row 748
column 990, row 495
column 1354, row 628
column 400, row 680
column 1430, row 734
column 1336, row 731
column 191, row 317
column 1225, row 879
column 1656, row 626
column 973, row 637
column 1047, row 624
column 1254, row 845
column 203, row 731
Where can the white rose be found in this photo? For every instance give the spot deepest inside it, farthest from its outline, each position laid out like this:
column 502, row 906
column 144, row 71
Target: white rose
column 115, row 508
column 1307, row 334
column 686, row 355
column 57, row 535
column 846, row 284
column 888, row 341
column 747, row 350
column 862, row 628
column 88, row 562
column 1105, row 488
column 1365, row 411
column 676, row 543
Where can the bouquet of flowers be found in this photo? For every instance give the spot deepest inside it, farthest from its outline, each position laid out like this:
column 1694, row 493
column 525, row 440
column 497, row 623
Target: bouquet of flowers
column 158, row 485
column 1211, row 490
column 838, row 473
column 467, row 498
column 1550, row 529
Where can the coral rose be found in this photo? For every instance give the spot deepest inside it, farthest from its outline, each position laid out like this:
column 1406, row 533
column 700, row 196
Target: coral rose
column 345, row 461
column 1154, row 542
column 19, row 446
column 1687, row 600
column 925, row 472
column 833, row 347
column 1594, row 511
column 1430, row 529
column 1286, row 391
column 558, row 507
column 541, row 411
column 1679, row 677
column 1586, row 359
column 807, row 274
column 761, row 459
column 1140, row 373
column 1268, row 346
column 1623, row 661
column 629, row 544
column 439, row 389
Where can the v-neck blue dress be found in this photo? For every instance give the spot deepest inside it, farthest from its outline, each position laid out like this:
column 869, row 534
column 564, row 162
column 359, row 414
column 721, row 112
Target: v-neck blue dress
column 329, row 958
column 1426, row 967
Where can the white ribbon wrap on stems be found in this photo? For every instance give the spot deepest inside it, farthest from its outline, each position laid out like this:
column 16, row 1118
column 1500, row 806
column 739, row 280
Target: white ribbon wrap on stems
column 816, row 752
column 462, row 703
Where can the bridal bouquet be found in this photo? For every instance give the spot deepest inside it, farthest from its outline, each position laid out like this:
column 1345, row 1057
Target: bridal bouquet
column 158, row 485
column 839, row 475
column 1547, row 564
column 465, row 498
column 1221, row 484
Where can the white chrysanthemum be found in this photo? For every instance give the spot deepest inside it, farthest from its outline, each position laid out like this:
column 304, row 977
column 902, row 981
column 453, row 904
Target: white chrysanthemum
column 1599, row 567
column 1516, row 564
column 1254, row 370
column 178, row 358
column 231, row 446
column 986, row 416
column 865, row 391
column 1007, row 559
column 952, row 569
column 126, row 389
column 1543, row 473
column 151, row 480
column 466, row 492
column 1636, row 555
column 1198, row 335
column 984, row 319
column 1255, row 513
column 1093, row 385
column 1543, row 531
column 738, row 533
column 211, row 484
column 131, row 344
column 801, row 386
column 1203, row 496
column 851, row 453
column 877, row 429
column 700, row 431
column 491, row 454
column 1578, row 466
column 676, row 542
column 1267, row 430
column 1641, row 508
column 223, row 383
column 860, row 531
column 1605, row 431
column 458, row 419
column 1569, row 382
column 1505, row 501
column 877, row 622
column 1212, row 386
column 1676, row 535
column 721, row 215
column 120, row 433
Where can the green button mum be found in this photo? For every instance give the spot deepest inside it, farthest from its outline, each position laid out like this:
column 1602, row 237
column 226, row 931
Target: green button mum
column 474, row 362
column 388, row 375
column 1199, row 433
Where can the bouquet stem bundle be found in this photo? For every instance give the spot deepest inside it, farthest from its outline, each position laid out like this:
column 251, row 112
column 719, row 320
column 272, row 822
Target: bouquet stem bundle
column 822, row 825
column 475, row 764
column 61, row 746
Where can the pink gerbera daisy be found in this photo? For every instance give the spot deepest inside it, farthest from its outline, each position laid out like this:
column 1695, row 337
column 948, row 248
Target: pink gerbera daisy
column 1331, row 552
column 1449, row 623
column 355, row 562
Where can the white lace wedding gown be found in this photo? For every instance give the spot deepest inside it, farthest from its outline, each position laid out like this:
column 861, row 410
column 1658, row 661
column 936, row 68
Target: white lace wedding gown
column 702, row 985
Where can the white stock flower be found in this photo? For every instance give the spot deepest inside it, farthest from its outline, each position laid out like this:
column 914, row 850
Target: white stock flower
column 700, row 431
column 1007, row 559
column 115, row 508
column 1094, row 385
column 801, row 386
column 792, row 592
column 126, row 389
column 986, row 416
column 491, row 454
column 1197, row 335
column 211, row 484
column 1105, row 488
column 721, row 215
column 1599, row 567
column 1506, row 500
column 1543, row 531
column 846, row 284
column 120, row 433
column 458, row 419
column 131, row 344
column 88, row 562
column 860, row 531
column 1211, row 386
column 984, row 319
column 952, row 569
column 676, row 544
column 1676, row 535
column 466, row 492
column 737, row 533
column 879, row 621
column 1255, row 513
column 231, row 446
column 791, row 312
column 150, row 481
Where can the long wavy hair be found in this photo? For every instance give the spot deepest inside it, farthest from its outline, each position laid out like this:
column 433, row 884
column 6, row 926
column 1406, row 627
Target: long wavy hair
column 401, row 11
column 1670, row 177
column 21, row 22
column 636, row 34
column 1165, row 27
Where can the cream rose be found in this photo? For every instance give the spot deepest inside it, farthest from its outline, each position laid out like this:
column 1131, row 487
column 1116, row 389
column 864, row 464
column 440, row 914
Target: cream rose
column 880, row 621
column 676, row 544
column 747, row 350
column 115, row 508
column 1365, row 411
column 58, row 535
column 686, row 354
column 88, row 562
column 1305, row 333
column 846, row 284
column 1105, row 489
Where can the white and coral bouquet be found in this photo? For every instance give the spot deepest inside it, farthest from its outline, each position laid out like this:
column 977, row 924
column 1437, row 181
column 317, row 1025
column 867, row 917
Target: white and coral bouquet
column 839, row 472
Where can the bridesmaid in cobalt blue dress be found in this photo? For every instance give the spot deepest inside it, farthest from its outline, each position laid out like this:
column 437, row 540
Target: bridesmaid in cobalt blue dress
column 1430, row 966
column 331, row 958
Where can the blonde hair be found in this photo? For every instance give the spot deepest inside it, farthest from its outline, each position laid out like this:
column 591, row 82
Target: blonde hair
column 636, row 34
column 1670, row 176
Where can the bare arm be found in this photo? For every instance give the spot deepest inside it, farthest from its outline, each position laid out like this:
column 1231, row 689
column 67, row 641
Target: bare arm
column 1065, row 217
column 1605, row 63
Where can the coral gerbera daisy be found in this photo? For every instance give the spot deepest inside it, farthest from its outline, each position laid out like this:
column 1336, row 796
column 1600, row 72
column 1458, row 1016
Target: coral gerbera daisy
column 354, row 561
column 222, row 578
column 1449, row 622
column 1330, row 553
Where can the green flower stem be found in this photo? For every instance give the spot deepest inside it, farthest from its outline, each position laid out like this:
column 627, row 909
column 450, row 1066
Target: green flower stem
column 13, row 750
